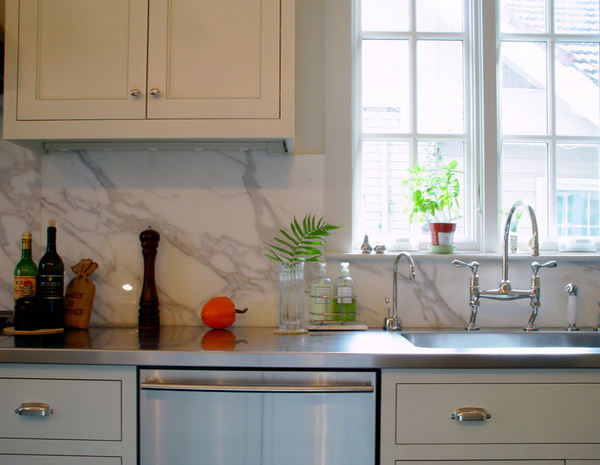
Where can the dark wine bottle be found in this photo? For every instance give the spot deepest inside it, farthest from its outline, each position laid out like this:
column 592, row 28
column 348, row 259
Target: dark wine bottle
column 51, row 279
column 26, row 317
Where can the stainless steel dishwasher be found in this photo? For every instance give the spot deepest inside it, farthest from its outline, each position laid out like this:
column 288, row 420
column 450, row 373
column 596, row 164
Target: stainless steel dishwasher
column 225, row 417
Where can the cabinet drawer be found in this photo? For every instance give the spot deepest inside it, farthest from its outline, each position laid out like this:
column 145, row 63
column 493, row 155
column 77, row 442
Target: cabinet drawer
column 83, row 409
column 521, row 413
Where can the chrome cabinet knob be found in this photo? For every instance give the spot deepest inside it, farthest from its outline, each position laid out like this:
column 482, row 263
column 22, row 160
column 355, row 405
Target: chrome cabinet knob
column 154, row 92
column 135, row 92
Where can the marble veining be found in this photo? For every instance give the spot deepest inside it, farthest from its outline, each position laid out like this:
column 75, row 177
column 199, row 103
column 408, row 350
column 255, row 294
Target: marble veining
column 214, row 211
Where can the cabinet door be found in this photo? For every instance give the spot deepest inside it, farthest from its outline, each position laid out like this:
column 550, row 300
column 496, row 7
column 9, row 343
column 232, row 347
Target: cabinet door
column 93, row 419
column 214, row 59
column 80, row 59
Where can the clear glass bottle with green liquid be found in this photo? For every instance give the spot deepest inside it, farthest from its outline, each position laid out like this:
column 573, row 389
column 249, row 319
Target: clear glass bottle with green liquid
column 321, row 290
column 344, row 304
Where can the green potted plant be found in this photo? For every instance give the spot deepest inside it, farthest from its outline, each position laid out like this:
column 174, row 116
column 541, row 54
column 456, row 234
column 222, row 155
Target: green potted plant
column 433, row 193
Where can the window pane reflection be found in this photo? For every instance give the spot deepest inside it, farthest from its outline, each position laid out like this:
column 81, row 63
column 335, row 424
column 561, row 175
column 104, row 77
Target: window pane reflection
column 524, row 100
column 577, row 96
column 524, row 177
column 384, row 166
column 385, row 74
column 576, row 17
column 440, row 87
column 577, row 190
column 520, row 16
column 385, row 15
column 440, row 16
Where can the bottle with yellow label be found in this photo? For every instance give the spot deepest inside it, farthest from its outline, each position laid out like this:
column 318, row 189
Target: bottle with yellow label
column 26, row 271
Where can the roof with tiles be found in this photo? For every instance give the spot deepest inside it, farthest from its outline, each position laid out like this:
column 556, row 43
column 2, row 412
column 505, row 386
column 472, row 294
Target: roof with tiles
column 572, row 17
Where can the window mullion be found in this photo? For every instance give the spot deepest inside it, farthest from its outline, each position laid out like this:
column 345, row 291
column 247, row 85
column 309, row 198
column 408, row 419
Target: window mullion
column 551, row 167
column 472, row 198
column 490, row 144
column 413, row 94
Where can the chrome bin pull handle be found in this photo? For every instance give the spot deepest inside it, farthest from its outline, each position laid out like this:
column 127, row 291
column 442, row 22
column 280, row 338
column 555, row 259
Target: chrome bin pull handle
column 470, row 414
column 34, row 409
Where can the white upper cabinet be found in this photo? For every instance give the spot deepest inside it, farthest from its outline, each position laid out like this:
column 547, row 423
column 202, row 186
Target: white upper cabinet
column 80, row 59
column 157, row 70
column 214, row 59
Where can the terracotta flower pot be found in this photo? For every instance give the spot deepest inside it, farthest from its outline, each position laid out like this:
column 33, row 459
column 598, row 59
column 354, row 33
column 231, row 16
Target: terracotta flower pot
column 442, row 237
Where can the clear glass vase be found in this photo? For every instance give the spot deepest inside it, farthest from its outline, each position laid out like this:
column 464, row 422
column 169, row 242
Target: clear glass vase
column 291, row 298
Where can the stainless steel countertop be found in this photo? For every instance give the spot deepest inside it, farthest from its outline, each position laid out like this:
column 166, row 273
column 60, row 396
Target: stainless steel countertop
column 262, row 348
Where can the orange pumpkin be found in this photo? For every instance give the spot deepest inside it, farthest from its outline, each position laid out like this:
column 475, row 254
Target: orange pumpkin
column 219, row 313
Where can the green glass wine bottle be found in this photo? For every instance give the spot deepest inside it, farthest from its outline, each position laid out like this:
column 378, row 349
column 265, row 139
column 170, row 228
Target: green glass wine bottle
column 51, row 284
column 26, row 271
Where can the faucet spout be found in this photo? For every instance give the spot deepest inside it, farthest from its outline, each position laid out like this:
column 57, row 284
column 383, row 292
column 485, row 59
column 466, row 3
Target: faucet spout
column 535, row 236
column 393, row 322
column 505, row 291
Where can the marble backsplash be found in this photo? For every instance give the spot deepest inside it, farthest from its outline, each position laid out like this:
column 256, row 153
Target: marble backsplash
column 214, row 210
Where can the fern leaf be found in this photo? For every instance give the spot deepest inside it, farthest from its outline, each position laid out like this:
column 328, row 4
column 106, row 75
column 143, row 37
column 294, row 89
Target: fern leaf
column 302, row 242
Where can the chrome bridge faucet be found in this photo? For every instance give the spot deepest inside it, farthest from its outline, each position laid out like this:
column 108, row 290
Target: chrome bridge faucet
column 505, row 290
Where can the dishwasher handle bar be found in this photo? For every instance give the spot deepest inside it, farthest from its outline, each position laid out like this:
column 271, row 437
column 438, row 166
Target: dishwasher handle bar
column 258, row 388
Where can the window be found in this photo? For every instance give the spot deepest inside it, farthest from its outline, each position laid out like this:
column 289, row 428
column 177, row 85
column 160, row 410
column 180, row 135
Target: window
column 425, row 88
column 550, row 108
column 416, row 60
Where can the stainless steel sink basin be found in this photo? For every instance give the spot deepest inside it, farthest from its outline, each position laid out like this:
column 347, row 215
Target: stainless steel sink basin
column 491, row 340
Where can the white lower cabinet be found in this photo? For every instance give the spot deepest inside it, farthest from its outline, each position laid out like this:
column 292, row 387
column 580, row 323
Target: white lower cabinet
column 490, row 417
column 68, row 415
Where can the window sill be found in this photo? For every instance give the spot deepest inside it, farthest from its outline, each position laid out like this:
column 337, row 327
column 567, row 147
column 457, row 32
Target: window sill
column 469, row 256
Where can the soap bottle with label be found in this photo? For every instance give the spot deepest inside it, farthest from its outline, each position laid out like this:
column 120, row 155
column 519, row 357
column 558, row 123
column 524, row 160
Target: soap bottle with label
column 321, row 291
column 344, row 304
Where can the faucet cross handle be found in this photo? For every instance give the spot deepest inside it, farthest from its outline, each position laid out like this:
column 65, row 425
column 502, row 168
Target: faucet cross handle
column 535, row 266
column 473, row 265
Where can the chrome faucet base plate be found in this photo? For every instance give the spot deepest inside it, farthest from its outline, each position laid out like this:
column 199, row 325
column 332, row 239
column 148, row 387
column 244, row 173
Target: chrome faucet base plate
column 392, row 324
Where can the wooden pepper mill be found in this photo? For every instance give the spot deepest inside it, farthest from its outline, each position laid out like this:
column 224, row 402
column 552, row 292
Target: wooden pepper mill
column 149, row 312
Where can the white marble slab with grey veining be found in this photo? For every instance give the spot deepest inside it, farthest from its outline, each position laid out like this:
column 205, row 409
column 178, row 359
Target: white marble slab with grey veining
column 214, row 211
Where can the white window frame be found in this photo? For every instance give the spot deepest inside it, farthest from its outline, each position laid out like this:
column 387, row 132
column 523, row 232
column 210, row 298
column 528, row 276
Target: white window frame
column 546, row 205
column 343, row 120
column 471, row 238
column 342, row 161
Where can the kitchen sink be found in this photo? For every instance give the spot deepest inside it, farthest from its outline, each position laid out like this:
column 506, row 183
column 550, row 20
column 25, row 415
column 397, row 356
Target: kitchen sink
column 500, row 339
